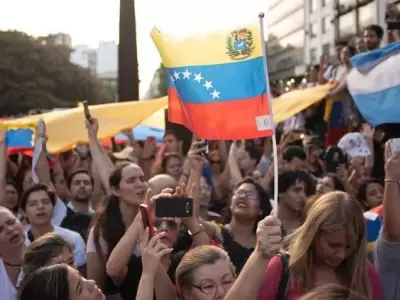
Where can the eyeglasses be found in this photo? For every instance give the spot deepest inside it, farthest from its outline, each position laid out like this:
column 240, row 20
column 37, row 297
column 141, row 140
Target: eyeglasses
column 251, row 195
column 165, row 224
column 211, row 288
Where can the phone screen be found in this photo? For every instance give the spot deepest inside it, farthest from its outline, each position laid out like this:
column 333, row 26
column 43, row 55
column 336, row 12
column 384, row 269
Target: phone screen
column 146, row 219
column 394, row 145
column 151, row 140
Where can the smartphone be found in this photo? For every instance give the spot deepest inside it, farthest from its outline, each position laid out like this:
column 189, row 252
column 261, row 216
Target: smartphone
column 334, row 156
column 147, row 219
column 204, row 144
column 394, row 145
column 174, row 207
column 151, row 140
column 88, row 116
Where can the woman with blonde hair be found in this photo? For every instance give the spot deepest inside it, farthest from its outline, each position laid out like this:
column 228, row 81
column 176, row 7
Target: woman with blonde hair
column 205, row 273
column 328, row 247
column 332, row 292
column 47, row 250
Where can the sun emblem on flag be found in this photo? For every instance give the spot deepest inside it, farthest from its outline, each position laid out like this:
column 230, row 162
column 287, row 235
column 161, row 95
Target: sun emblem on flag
column 240, row 44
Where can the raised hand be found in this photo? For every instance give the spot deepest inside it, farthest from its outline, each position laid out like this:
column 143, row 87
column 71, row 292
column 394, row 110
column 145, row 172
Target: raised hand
column 152, row 252
column 269, row 237
column 92, row 127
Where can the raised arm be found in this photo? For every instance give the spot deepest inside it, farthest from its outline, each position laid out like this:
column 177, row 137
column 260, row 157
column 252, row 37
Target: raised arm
column 100, row 158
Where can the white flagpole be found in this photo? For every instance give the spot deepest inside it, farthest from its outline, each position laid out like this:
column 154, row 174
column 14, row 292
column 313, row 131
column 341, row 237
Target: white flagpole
column 274, row 145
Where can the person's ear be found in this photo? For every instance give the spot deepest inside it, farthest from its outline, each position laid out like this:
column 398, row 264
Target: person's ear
column 115, row 191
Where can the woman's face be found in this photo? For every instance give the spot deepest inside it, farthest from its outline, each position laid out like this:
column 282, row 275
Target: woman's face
column 81, row 288
column 215, row 160
column 39, row 208
column 132, row 188
column 205, row 193
column 345, row 55
column 12, row 234
column 65, row 257
column 315, row 153
column 11, row 199
column 173, row 167
column 28, row 181
column 325, row 185
column 246, row 202
column 211, row 282
column 332, row 248
column 171, row 229
column 374, row 194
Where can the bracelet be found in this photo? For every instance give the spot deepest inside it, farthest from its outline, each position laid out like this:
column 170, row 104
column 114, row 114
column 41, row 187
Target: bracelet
column 201, row 229
column 391, row 181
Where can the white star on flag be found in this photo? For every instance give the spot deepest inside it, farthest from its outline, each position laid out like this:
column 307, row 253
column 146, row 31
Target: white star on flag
column 186, row 74
column 176, row 75
column 208, row 85
column 215, row 94
column 198, row 78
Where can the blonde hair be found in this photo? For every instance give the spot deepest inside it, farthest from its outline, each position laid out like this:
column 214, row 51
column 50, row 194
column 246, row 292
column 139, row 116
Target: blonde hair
column 43, row 250
column 329, row 213
column 332, row 292
column 196, row 258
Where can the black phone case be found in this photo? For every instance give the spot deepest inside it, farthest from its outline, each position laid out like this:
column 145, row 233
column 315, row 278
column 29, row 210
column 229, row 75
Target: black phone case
column 173, row 207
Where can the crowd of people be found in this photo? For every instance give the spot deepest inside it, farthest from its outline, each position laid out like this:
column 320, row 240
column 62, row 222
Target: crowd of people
column 71, row 227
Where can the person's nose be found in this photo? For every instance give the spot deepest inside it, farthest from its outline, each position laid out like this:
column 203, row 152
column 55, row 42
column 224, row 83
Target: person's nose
column 221, row 292
column 341, row 253
column 91, row 284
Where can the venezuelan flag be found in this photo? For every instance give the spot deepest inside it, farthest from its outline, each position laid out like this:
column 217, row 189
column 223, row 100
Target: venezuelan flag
column 373, row 219
column 217, row 86
column 19, row 140
column 336, row 120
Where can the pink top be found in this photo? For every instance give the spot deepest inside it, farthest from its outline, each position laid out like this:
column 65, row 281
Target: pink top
column 270, row 285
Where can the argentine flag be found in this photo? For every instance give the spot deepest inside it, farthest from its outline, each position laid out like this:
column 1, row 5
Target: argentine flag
column 374, row 83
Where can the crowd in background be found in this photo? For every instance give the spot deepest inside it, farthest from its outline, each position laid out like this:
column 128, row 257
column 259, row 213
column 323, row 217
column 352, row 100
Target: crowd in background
column 76, row 215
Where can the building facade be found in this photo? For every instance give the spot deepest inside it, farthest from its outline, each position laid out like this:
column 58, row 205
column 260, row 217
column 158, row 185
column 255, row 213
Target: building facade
column 103, row 60
column 286, row 37
column 319, row 33
column 352, row 16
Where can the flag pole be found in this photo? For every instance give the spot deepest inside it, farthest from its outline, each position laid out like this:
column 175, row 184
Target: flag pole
column 274, row 144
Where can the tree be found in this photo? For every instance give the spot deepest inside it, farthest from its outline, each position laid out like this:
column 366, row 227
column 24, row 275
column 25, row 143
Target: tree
column 159, row 84
column 128, row 74
column 36, row 75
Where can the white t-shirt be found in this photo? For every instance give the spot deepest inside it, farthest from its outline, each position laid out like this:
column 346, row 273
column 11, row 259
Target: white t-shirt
column 91, row 246
column 75, row 239
column 7, row 289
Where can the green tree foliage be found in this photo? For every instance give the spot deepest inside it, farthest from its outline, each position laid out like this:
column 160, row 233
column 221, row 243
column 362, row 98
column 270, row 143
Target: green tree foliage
column 36, row 74
column 159, row 84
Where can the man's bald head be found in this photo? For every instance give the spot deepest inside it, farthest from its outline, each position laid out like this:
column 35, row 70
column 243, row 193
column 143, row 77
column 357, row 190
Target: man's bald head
column 159, row 182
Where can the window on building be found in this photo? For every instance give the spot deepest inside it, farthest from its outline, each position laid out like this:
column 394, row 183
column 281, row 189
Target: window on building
column 326, row 25
column 347, row 24
column 313, row 55
column 283, row 9
column 313, row 30
column 294, row 40
column 313, row 5
column 291, row 23
column 367, row 16
column 326, row 49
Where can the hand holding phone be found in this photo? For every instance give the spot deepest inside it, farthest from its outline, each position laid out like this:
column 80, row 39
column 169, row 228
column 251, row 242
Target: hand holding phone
column 174, row 207
column 147, row 219
column 151, row 140
column 206, row 148
column 86, row 110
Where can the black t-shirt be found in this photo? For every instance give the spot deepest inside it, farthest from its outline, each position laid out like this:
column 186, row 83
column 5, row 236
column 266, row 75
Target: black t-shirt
column 77, row 222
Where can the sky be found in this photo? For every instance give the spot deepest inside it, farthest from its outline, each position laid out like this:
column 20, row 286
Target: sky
column 91, row 21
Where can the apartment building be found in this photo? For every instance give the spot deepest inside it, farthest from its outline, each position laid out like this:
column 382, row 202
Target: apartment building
column 320, row 30
column 286, row 37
